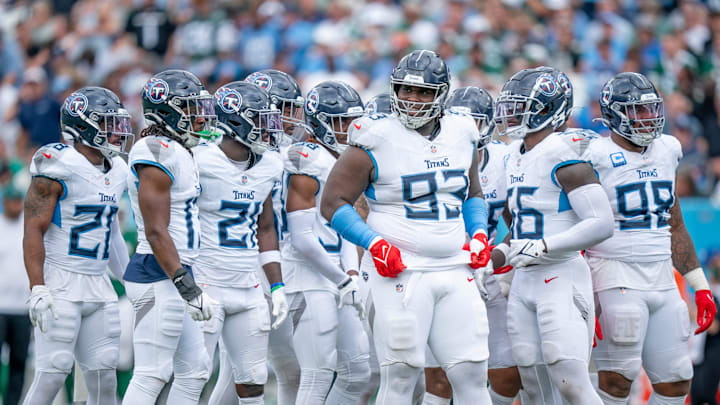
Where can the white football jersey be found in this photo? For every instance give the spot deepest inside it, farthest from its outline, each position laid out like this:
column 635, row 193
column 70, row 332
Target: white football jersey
column 416, row 197
column 79, row 236
column 641, row 189
column 279, row 194
column 179, row 164
column 310, row 159
column 492, row 181
column 230, row 203
column 538, row 204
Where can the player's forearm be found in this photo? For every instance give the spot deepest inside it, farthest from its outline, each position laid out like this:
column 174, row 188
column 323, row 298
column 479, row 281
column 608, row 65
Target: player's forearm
column 591, row 205
column 684, row 257
column 273, row 272
column 303, row 239
column 164, row 250
column 34, row 256
column 119, row 257
column 349, row 257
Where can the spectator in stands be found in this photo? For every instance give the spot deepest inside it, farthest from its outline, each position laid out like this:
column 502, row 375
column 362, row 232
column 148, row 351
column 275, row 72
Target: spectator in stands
column 39, row 113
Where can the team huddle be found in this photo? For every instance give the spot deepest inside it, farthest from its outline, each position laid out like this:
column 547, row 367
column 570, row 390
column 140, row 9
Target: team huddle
column 249, row 215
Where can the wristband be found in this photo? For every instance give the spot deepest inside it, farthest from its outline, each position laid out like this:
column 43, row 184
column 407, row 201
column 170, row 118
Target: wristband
column 276, row 286
column 475, row 215
column 270, row 256
column 345, row 283
column 185, row 284
column 696, row 279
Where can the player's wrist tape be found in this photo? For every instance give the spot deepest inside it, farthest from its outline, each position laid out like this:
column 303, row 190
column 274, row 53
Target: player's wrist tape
column 696, row 279
column 475, row 215
column 276, row 286
column 185, row 284
column 270, row 256
column 348, row 223
column 505, row 249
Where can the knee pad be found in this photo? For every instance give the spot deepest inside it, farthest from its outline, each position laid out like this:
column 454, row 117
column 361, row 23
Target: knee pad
column 60, row 362
column 108, row 358
column 354, row 373
column 251, row 374
column 400, row 377
column 171, row 318
column 189, row 388
column 147, row 384
column 524, row 355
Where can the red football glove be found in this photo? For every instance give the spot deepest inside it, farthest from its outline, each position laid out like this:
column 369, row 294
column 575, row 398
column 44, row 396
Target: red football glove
column 705, row 310
column 386, row 258
column 499, row 270
column 479, row 250
column 598, row 332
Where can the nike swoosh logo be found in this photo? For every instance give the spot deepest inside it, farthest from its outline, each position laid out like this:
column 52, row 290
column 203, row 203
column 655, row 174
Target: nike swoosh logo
column 257, row 285
column 547, row 280
column 163, row 144
column 577, row 139
column 470, row 279
column 47, row 155
column 356, row 125
column 303, row 154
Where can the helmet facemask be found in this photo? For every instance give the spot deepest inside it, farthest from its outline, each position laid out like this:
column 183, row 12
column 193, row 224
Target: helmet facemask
column 415, row 114
column 113, row 132
column 293, row 118
column 640, row 121
column 197, row 117
column 336, row 127
column 514, row 113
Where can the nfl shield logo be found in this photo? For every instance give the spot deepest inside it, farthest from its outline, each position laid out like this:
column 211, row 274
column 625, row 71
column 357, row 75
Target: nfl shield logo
column 484, row 179
column 76, row 104
column 156, row 90
column 399, row 288
column 433, row 148
column 107, row 181
column 244, row 179
column 518, row 162
column 365, row 275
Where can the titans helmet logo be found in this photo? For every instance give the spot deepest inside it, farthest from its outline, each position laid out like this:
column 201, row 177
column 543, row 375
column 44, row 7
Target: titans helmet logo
column 76, row 104
column 228, row 100
column 156, row 90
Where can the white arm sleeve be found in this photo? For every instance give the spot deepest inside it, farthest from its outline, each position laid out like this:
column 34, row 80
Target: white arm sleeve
column 349, row 256
column 300, row 224
column 591, row 204
column 119, row 257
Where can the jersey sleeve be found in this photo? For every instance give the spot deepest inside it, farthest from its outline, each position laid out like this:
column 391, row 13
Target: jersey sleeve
column 466, row 125
column 673, row 145
column 48, row 162
column 304, row 158
column 155, row 151
column 363, row 132
column 119, row 163
column 570, row 148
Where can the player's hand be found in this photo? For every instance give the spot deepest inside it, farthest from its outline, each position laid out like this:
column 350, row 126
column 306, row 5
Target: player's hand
column 481, row 276
column 706, row 310
column 41, row 307
column 479, row 250
column 349, row 292
column 524, row 252
column 386, row 258
column 598, row 332
column 201, row 307
column 280, row 308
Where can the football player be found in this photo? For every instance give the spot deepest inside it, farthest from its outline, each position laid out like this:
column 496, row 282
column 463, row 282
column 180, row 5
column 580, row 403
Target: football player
column 329, row 335
column 423, row 191
column 558, row 208
column 644, row 319
column 381, row 104
column 164, row 187
column 238, row 230
column 71, row 236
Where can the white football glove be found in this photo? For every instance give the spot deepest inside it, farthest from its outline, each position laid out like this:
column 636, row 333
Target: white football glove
column 524, row 252
column 350, row 294
column 201, row 307
column 41, row 307
column 481, row 275
column 280, row 307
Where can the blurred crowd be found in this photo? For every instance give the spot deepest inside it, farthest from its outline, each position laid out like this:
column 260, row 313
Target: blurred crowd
column 50, row 47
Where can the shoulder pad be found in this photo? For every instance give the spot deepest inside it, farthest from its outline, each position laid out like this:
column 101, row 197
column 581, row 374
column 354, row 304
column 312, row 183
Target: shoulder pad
column 672, row 144
column 305, row 158
column 274, row 162
column 463, row 123
column 363, row 131
column 156, row 150
column 118, row 163
column 48, row 161
column 577, row 142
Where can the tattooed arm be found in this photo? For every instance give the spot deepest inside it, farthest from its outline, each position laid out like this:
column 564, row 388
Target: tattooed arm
column 684, row 257
column 39, row 207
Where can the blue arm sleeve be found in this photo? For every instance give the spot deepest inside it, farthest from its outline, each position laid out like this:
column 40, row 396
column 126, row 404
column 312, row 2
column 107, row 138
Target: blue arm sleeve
column 475, row 214
column 351, row 227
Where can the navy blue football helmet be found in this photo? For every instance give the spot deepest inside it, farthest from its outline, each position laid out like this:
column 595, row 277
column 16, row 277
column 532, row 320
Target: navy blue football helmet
column 245, row 113
column 565, row 86
column 95, row 117
column 632, row 107
column 477, row 103
column 424, row 69
column 381, row 103
column 285, row 93
column 330, row 107
column 530, row 101
column 177, row 101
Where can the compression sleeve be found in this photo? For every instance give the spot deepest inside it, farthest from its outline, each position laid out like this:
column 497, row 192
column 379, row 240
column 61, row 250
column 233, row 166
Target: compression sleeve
column 348, row 223
column 349, row 256
column 119, row 256
column 302, row 237
column 475, row 215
